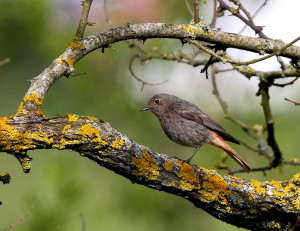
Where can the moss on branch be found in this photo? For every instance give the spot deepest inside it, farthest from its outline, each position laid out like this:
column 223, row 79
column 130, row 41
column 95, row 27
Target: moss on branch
column 273, row 205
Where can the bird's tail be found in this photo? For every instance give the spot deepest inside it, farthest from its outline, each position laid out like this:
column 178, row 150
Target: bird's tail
column 220, row 143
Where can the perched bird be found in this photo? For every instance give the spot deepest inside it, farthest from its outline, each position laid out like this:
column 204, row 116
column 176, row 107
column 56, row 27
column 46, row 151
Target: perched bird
column 186, row 124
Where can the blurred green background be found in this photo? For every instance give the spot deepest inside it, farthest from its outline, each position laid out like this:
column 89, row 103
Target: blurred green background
column 62, row 185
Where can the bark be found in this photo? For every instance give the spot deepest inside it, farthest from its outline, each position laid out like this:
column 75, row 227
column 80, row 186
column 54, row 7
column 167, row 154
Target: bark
column 270, row 205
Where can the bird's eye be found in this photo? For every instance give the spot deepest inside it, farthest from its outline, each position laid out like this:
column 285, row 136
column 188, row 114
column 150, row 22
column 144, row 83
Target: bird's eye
column 157, row 101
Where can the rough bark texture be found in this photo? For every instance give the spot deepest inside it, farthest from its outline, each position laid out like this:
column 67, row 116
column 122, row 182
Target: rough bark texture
column 254, row 205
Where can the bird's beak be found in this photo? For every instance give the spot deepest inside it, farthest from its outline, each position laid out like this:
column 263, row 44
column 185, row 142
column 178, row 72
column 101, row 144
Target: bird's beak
column 145, row 109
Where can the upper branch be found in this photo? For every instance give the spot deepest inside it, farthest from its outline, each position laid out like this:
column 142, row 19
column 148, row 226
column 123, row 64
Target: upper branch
column 63, row 65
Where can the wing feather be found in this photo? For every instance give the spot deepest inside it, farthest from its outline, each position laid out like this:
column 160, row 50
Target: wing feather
column 192, row 112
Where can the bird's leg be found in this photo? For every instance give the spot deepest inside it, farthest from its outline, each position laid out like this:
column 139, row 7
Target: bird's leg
column 194, row 152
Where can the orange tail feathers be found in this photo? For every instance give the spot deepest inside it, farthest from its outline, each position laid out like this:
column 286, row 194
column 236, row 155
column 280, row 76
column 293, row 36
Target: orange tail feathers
column 220, row 143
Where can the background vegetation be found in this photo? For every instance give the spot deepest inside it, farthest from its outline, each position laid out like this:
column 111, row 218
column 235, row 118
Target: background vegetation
column 63, row 185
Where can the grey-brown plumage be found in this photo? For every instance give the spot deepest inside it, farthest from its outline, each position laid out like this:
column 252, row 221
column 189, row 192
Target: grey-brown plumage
column 185, row 124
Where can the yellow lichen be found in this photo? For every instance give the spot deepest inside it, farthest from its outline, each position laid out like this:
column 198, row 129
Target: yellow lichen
column 117, row 143
column 192, row 29
column 63, row 143
column 76, row 43
column 63, row 59
column 215, row 188
column 92, row 133
column 18, row 141
column 145, row 166
column 91, row 118
column 33, row 98
column 236, row 185
column 66, row 128
column 169, row 165
column 72, row 118
column 189, row 179
column 172, row 184
column 257, row 190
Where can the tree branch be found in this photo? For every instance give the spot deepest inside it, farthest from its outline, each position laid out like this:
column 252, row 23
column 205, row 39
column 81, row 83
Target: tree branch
column 64, row 64
column 265, row 103
column 249, row 22
column 254, row 205
column 86, row 6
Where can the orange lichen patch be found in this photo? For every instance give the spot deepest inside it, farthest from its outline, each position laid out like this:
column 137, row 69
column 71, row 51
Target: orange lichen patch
column 33, row 98
column 215, row 188
column 192, row 29
column 145, row 166
column 76, row 44
column 169, row 165
column 189, row 179
column 72, row 118
column 91, row 133
column 117, row 143
column 63, row 59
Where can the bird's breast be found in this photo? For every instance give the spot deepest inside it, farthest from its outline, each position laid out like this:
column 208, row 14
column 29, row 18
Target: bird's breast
column 183, row 131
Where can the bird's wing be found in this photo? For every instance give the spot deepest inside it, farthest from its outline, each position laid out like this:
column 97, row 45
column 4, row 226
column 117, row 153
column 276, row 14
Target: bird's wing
column 195, row 114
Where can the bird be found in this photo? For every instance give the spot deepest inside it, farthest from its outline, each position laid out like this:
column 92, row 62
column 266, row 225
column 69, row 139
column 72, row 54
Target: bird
column 187, row 125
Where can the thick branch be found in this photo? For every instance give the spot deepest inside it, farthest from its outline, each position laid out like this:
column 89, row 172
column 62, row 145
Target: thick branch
column 254, row 205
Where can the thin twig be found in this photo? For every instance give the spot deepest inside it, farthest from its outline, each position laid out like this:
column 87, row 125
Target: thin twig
column 286, row 84
column 196, row 11
column 4, row 62
column 106, row 14
column 270, row 76
column 83, row 223
column 265, row 103
column 291, row 162
column 257, row 29
column 225, row 60
column 254, row 15
column 77, row 74
column 232, row 171
column 139, row 79
column 215, row 15
column 180, row 57
column 224, row 104
column 83, row 22
column 20, row 220
column 188, row 7
column 292, row 101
